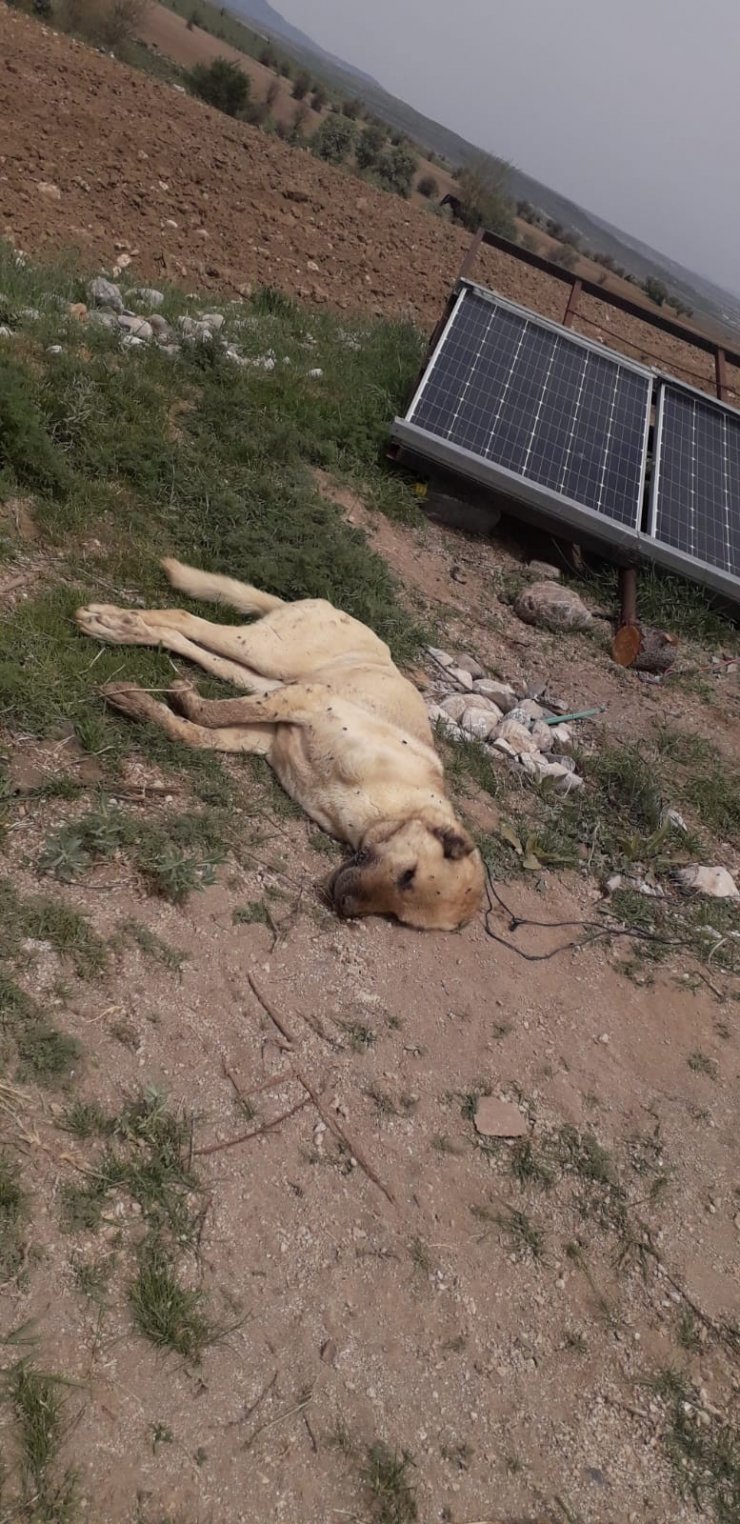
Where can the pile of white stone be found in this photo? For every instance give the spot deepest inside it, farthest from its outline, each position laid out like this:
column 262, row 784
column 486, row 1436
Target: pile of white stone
column 524, row 732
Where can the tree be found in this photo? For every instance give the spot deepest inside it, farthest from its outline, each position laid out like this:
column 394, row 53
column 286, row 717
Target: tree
column 428, row 186
column 396, row 170
column 656, row 290
column 333, row 139
column 483, row 198
column 352, row 109
column 222, row 84
column 319, row 98
column 565, row 256
column 369, row 146
column 301, row 85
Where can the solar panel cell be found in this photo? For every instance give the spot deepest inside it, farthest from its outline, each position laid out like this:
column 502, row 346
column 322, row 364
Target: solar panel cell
column 696, row 490
column 529, row 398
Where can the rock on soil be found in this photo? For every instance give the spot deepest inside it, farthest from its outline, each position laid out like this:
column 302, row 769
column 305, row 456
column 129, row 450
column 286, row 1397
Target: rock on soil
column 499, row 1119
column 104, row 293
column 552, row 607
column 717, row 883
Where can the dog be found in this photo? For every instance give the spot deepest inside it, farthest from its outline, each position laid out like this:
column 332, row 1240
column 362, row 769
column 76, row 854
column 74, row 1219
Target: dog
column 347, row 735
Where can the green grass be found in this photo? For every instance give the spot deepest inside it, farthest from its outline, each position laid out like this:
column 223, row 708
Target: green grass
column 174, row 853
column 145, row 1155
column 165, row 1311
column 13, row 1212
column 705, row 1457
column 42, row 919
column 48, row 1491
column 388, row 1485
column 87, row 435
column 669, row 603
column 44, row 1054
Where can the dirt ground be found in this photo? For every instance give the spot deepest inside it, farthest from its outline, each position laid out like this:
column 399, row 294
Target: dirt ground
column 199, row 199
column 379, row 1289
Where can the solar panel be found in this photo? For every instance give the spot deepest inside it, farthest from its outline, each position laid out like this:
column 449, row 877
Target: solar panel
column 527, row 406
column 695, row 498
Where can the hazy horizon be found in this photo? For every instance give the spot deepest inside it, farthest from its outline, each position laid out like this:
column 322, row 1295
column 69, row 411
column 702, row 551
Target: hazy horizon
column 634, row 115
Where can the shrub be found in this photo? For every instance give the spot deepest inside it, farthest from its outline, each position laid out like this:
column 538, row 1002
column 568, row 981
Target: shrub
column 222, row 84
column 300, row 118
column 396, row 170
column 285, row 69
column 565, row 256
column 369, row 146
column 268, row 57
column 333, row 139
column 319, row 98
column 273, row 91
column 483, row 199
column 42, row 8
column 428, row 186
column 352, row 109
column 301, row 85
column 529, row 242
column 656, row 290
column 193, row 20
column 108, row 23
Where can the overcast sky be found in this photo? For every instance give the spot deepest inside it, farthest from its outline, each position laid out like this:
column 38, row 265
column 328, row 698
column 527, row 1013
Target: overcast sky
column 630, row 108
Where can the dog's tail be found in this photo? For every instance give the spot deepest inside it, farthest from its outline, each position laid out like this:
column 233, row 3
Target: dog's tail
column 215, row 589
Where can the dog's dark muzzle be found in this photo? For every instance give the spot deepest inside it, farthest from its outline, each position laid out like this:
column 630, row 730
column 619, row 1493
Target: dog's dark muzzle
column 345, row 885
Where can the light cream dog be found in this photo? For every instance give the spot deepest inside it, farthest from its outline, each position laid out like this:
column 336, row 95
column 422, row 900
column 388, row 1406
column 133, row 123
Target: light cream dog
column 347, row 735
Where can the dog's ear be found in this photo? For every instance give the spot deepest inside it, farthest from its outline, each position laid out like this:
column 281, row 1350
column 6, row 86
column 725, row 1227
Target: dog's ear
column 456, row 843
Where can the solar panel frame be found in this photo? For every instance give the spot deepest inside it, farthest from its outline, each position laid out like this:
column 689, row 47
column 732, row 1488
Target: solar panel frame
column 534, row 498
column 670, row 557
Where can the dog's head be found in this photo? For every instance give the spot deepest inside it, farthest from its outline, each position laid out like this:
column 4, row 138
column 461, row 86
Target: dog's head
column 426, row 872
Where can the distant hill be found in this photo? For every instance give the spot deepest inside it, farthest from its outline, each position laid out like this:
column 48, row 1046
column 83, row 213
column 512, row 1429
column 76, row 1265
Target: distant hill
column 266, row 19
column 719, row 309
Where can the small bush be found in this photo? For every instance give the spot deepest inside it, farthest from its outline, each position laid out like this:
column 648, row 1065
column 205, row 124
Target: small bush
column 319, row 98
column 301, row 85
column 565, row 256
column 396, row 170
column 333, row 139
column 529, row 242
column 273, row 91
column 656, row 290
column 428, row 186
column 370, row 146
column 285, row 69
column 352, row 109
column 222, row 84
column 268, row 57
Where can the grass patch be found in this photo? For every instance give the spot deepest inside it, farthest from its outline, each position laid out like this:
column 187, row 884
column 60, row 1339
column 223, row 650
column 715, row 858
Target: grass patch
column 390, row 1490
column 44, row 1053
column 87, row 433
column 12, row 1219
column 705, row 1457
column 151, row 945
column 254, row 913
column 146, row 1156
column 175, row 854
column 165, row 1311
column 48, row 1492
column 40, row 919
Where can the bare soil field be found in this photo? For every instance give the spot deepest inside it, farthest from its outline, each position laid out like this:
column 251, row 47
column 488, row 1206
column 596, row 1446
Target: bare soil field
column 258, row 1264
column 197, row 198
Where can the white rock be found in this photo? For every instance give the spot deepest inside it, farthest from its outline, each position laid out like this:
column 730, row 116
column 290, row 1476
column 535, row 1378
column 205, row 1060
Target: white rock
column 531, row 709
column 674, row 818
column 469, row 664
column 462, row 678
column 102, row 319
column 5, row 331
column 544, row 571
column 717, row 883
column 552, row 607
column 509, row 730
column 455, row 705
column 437, row 716
column 130, row 341
column 441, row 657
column 529, row 764
column 479, row 722
column 546, row 769
column 136, row 326
column 149, row 295
column 564, row 760
column 502, row 693
column 103, row 293
column 213, row 320
column 501, row 744
column 542, row 734
column 32, row 314
column 570, row 784
column 520, row 716
column 54, row 349
column 316, row 373
column 562, row 737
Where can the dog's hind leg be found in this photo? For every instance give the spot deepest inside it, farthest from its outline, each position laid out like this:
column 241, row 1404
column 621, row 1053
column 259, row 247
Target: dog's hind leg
column 131, row 628
column 139, row 705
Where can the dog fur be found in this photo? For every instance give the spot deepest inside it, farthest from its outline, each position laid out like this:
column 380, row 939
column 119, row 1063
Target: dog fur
column 347, row 735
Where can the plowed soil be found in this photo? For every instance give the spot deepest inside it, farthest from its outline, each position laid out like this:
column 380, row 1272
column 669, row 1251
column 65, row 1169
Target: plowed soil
column 198, row 198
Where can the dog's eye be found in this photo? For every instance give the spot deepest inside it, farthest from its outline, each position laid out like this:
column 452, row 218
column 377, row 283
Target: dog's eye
column 406, row 879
